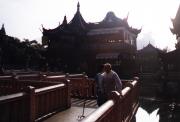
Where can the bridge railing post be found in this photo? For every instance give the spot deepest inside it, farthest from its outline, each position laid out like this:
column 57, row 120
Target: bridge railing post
column 117, row 109
column 68, row 92
column 31, row 103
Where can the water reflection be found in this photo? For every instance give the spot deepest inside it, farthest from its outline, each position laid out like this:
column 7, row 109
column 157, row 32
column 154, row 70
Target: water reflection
column 152, row 110
column 143, row 116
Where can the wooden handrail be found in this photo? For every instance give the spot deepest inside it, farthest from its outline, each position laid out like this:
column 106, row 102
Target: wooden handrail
column 75, row 75
column 82, row 86
column 125, row 91
column 27, row 75
column 122, row 107
column 134, row 82
column 55, row 77
column 11, row 97
column 49, row 88
column 5, row 76
column 14, row 108
column 101, row 111
column 34, row 104
column 51, row 100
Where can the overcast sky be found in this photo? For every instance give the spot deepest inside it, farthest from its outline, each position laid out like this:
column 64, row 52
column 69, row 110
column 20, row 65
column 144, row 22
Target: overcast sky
column 23, row 18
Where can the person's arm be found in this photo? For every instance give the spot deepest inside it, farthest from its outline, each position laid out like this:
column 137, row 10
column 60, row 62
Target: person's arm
column 117, row 81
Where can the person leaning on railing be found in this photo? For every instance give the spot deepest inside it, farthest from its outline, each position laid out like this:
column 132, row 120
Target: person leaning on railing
column 110, row 82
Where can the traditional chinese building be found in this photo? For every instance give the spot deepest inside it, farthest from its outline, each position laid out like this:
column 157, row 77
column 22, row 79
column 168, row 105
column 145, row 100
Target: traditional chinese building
column 149, row 59
column 176, row 27
column 172, row 59
column 80, row 46
column 173, row 56
column 150, row 68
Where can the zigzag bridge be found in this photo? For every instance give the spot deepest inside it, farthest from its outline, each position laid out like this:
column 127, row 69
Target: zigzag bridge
column 54, row 97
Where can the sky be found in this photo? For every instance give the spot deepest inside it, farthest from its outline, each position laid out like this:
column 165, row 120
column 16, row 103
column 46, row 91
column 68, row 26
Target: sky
column 23, row 18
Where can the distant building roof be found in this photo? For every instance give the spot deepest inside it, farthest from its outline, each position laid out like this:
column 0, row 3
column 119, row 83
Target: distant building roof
column 149, row 48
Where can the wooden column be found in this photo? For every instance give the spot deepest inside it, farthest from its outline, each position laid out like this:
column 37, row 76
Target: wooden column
column 31, row 103
column 68, row 93
column 117, row 109
column 86, row 92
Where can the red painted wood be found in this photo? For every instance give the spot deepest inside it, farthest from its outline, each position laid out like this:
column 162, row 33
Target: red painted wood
column 123, row 105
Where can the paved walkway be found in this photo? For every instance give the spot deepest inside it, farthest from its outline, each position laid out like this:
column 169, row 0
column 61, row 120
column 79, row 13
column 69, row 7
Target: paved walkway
column 80, row 102
column 72, row 114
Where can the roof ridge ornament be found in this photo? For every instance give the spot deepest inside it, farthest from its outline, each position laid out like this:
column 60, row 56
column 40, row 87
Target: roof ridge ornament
column 3, row 25
column 78, row 7
column 126, row 18
column 2, row 30
column 65, row 20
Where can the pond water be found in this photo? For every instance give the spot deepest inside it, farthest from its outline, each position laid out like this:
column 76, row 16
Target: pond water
column 158, row 111
column 143, row 116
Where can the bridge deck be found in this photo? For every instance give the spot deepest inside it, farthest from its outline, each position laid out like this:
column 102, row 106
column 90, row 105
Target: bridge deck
column 71, row 114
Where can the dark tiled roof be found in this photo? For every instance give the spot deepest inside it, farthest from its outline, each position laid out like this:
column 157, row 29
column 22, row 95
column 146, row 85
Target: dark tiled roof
column 77, row 21
column 78, row 24
column 109, row 21
column 150, row 48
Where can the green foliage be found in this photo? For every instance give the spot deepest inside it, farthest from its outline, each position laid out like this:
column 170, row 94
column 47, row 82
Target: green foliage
column 17, row 55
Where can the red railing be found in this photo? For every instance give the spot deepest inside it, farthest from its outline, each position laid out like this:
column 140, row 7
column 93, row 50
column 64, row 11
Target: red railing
column 81, row 85
column 14, row 86
column 29, row 77
column 13, row 108
column 35, row 104
column 121, row 107
column 51, row 99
